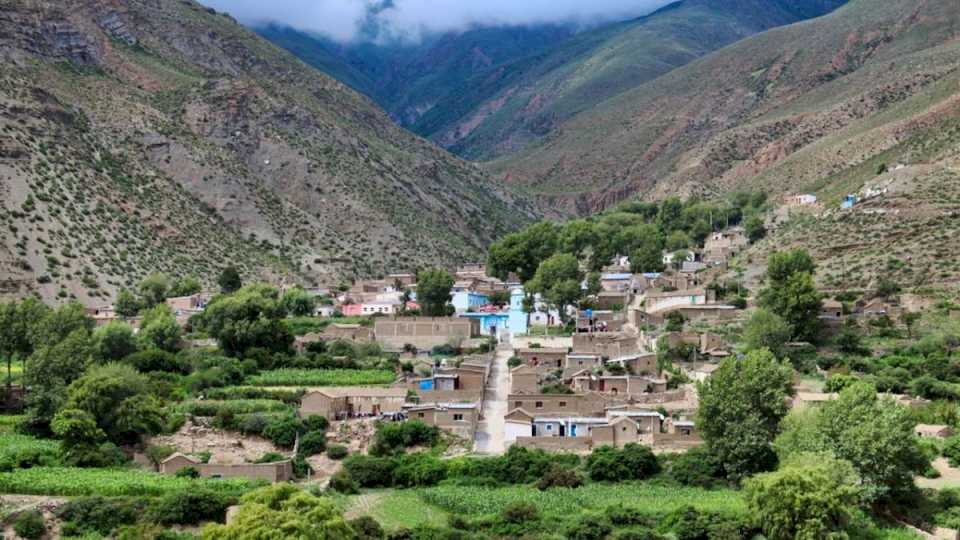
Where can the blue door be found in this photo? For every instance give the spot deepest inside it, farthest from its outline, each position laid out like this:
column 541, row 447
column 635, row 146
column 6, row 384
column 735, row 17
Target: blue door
column 573, row 430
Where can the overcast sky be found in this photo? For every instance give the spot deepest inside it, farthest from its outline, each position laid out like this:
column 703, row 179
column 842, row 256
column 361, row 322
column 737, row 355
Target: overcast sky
column 341, row 19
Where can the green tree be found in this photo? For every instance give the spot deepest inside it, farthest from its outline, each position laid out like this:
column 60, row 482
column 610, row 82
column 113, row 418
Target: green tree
column 766, row 330
column 799, row 303
column 887, row 287
column 251, row 317
column 909, row 319
column 298, row 302
column 872, row 433
column 522, row 252
column 677, row 240
column 283, row 510
column 594, row 286
column 849, row 339
column 740, row 409
column 647, row 256
column 186, row 286
column 127, row 304
column 18, row 323
column 119, row 399
column 433, row 292
column 56, row 325
column 159, row 329
column 558, row 280
column 577, row 237
column 755, row 228
column 48, row 372
column 154, row 289
column 809, row 497
column 229, row 280
column 114, row 342
column 782, row 265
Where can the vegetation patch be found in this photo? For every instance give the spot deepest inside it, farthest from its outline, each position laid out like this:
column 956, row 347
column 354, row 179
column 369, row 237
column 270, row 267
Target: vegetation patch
column 321, row 377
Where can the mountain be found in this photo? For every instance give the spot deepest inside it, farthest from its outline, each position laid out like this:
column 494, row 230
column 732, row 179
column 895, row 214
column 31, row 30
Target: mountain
column 815, row 106
column 489, row 92
column 139, row 136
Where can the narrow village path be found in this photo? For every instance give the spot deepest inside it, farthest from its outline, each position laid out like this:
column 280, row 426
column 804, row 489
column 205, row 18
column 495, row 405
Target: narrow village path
column 489, row 439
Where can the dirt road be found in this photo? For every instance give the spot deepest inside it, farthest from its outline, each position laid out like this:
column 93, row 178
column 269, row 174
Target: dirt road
column 489, row 438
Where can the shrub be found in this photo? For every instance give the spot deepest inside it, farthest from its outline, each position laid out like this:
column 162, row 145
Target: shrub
column 638, row 534
column 393, row 438
column 100, row 515
column 157, row 453
column 418, row 470
column 366, row 528
column 520, row 512
column 316, row 422
column 559, row 476
column 253, row 424
column 190, row 507
column 370, row 471
column 312, row 443
column 283, row 431
column 156, row 360
column 444, row 350
column 697, row 467
column 951, row 450
column 337, row 451
column 342, row 482
column 270, row 457
column 187, row 472
column 514, row 361
column 621, row 515
column 30, row 525
column 633, row 462
column 589, row 528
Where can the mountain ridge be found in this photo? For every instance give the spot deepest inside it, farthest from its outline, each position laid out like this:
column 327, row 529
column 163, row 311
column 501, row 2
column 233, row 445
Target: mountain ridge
column 164, row 133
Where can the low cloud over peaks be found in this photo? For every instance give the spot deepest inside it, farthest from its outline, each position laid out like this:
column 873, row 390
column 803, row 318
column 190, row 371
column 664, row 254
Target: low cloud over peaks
column 345, row 20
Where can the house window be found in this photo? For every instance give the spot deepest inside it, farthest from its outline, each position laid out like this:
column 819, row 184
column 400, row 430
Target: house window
column 458, row 418
column 539, row 405
column 549, row 427
column 420, row 415
column 563, row 403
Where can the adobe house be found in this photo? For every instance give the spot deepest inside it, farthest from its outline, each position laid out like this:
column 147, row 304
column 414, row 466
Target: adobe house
column 337, row 403
column 552, row 357
column 405, row 280
column 933, row 431
column 424, row 333
column 615, row 301
column 616, row 282
column 524, row 379
column 831, row 310
column 638, row 364
column 348, row 332
column 586, row 404
column 629, row 385
column 583, row 361
column 279, row 471
column 578, row 433
column 878, row 307
column 606, row 345
column 458, row 418
column 662, row 301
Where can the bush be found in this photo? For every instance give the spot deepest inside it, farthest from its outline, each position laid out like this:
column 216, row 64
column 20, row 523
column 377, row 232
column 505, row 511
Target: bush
column 419, row 470
column 697, row 467
column 342, row 482
column 370, row 471
column 951, row 450
column 270, row 457
column 187, row 472
column 30, row 525
column 312, row 443
column 283, row 431
column 520, row 512
column 366, row 528
column 316, row 422
column 393, row 438
column 633, row 462
column 100, row 515
column 621, row 515
column 559, row 477
column 190, row 507
column 337, row 451
column 589, row 528
column 158, row 453
column 514, row 361
column 444, row 350
column 156, row 360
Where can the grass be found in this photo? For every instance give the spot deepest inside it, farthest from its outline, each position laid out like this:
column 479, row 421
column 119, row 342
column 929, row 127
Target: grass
column 71, row 482
column 300, row 326
column 321, row 377
column 652, row 499
column 13, row 445
column 395, row 509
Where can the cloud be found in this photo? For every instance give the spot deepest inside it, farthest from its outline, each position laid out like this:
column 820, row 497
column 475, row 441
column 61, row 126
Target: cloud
column 344, row 20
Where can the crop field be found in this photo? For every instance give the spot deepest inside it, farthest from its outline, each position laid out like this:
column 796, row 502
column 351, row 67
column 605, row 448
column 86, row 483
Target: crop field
column 395, row 509
column 234, row 406
column 70, row 481
column 656, row 500
column 8, row 423
column 15, row 443
column 321, row 377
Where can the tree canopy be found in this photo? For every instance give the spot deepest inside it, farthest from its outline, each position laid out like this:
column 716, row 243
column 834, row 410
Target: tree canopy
column 740, row 409
column 792, row 294
column 433, row 292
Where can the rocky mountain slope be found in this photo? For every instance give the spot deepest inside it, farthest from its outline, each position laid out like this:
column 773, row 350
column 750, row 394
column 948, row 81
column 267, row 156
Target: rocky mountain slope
column 816, row 106
column 491, row 91
column 156, row 135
